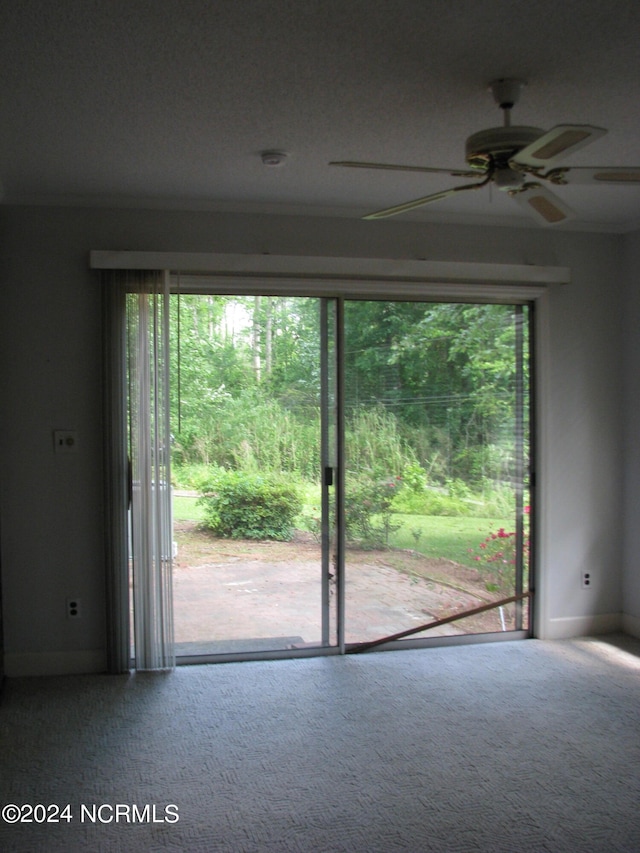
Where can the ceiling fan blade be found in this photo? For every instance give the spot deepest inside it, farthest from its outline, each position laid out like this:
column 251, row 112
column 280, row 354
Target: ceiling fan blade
column 558, row 142
column 356, row 164
column 621, row 176
column 408, row 205
column 420, row 202
column 542, row 204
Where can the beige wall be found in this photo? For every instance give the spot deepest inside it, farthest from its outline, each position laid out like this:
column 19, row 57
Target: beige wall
column 631, row 445
column 50, row 316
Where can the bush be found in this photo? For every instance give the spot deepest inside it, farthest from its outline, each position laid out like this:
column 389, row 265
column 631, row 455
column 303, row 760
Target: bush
column 368, row 512
column 497, row 558
column 415, row 478
column 455, row 500
column 250, row 506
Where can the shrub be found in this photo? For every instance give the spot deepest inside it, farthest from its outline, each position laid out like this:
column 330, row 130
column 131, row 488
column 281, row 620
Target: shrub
column 368, row 509
column 250, row 506
column 498, row 561
column 497, row 558
column 414, row 477
column 458, row 490
column 499, row 499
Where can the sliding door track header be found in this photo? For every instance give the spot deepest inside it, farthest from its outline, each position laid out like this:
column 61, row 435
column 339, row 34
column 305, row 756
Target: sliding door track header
column 282, row 273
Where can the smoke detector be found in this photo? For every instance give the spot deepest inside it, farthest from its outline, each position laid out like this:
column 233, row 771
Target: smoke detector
column 273, row 158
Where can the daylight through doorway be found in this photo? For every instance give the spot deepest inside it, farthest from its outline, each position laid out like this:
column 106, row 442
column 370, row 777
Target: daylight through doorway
column 344, row 470
column 436, row 447
column 254, row 440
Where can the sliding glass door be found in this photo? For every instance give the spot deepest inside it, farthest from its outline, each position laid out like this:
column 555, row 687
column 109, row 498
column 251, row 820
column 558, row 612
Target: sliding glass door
column 346, row 471
column 253, row 420
column 436, row 459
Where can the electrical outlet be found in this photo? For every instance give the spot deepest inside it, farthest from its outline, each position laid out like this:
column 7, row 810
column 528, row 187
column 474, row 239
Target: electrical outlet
column 587, row 580
column 74, row 608
column 65, row 440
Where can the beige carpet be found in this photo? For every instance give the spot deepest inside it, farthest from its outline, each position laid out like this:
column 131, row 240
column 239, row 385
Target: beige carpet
column 503, row 748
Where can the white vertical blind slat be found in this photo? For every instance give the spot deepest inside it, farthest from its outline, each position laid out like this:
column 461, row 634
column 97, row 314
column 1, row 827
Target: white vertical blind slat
column 142, row 377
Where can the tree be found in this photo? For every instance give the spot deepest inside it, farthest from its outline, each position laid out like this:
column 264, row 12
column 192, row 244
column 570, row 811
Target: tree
column 440, row 378
column 446, row 370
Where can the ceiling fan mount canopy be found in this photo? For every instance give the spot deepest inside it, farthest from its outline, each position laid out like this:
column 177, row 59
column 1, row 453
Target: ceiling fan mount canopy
column 506, row 91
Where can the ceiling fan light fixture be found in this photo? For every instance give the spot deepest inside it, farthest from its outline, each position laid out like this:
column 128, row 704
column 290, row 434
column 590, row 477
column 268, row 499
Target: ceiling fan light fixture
column 508, row 179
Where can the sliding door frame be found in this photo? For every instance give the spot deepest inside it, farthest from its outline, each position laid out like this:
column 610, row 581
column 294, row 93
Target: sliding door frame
column 381, row 279
column 332, row 473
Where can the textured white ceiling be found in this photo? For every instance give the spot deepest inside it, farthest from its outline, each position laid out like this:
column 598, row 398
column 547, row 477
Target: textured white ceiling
column 170, row 102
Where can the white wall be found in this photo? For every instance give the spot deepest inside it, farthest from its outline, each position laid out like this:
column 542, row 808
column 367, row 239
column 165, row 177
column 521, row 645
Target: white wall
column 51, row 506
column 631, row 420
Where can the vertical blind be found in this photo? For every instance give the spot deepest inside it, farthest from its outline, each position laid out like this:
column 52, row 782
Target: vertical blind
column 138, row 472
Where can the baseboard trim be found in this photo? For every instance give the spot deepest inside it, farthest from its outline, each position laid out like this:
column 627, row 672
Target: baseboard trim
column 581, row 626
column 631, row 625
column 18, row 664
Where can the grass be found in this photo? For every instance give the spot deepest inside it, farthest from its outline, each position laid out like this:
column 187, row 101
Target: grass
column 186, row 509
column 444, row 536
column 434, row 536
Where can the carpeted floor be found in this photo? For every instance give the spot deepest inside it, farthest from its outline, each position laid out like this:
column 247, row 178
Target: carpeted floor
column 504, row 748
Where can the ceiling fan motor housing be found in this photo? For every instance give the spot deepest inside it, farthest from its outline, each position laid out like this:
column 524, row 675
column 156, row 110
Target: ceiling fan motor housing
column 498, row 145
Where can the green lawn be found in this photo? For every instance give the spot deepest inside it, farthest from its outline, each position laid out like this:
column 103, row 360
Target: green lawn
column 186, row 509
column 434, row 536
column 443, row 536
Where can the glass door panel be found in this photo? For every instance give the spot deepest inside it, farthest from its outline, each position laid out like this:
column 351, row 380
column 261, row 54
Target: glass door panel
column 436, row 438
column 253, row 456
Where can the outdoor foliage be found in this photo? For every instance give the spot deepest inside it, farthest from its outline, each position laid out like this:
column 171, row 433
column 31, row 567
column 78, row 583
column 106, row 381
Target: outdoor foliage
column 375, row 444
column 433, row 502
column 368, row 510
column 496, row 558
column 429, row 416
column 250, row 506
column 428, row 385
column 447, row 373
column 251, row 432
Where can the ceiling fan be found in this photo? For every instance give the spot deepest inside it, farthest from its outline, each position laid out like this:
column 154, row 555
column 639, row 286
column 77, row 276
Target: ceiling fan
column 521, row 161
